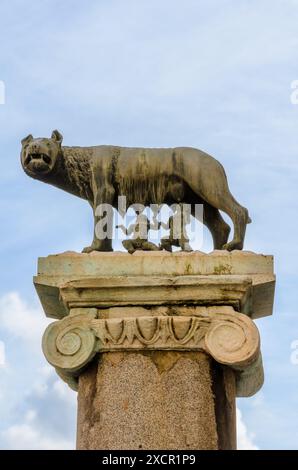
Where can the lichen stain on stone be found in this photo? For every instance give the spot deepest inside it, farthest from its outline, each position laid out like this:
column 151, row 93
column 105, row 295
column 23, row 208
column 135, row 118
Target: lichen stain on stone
column 166, row 360
column 115, row 357
column 125, row 404
column 188, row 269
column 223, row 269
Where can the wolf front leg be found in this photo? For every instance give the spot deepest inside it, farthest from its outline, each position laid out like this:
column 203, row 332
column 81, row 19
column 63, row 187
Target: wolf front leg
column 103, row 220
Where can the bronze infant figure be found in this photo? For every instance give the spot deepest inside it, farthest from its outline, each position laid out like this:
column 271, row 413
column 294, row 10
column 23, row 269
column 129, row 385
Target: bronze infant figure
column 102, row 173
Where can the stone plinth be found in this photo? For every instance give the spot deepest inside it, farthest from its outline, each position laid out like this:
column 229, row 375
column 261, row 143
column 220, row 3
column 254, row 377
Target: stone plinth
column 157, row 344
column 254, row 270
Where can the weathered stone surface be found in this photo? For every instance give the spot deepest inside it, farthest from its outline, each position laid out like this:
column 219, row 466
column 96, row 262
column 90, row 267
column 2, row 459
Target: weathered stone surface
column 155, row 400
column 231, row 338
column 155, row 263
column 242, row 279
column 159, row 290
column 158, row 354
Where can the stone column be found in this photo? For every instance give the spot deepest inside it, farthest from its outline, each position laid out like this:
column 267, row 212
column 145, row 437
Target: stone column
column 156, row 400
column 157, row 344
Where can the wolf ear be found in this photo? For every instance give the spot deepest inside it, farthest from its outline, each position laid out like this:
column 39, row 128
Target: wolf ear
column 57, row 136
column 27, row 139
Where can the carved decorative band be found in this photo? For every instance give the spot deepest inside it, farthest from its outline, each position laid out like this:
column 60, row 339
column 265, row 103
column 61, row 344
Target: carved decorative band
column 230, row 338
column 155, row 332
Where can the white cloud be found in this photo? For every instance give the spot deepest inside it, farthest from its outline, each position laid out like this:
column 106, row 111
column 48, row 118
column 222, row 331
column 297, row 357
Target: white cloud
column 32, row 402
column 26, row 437
column 245, row 439
column 18, row 319
column 48, row 416
column 64, row 393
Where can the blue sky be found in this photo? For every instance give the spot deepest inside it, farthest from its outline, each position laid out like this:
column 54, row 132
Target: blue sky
column 213, row 74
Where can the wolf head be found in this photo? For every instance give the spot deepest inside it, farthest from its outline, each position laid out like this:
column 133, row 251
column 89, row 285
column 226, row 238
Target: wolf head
column 39, row 156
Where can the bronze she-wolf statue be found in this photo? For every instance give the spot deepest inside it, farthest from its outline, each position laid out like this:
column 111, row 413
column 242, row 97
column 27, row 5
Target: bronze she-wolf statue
column 146, row 176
